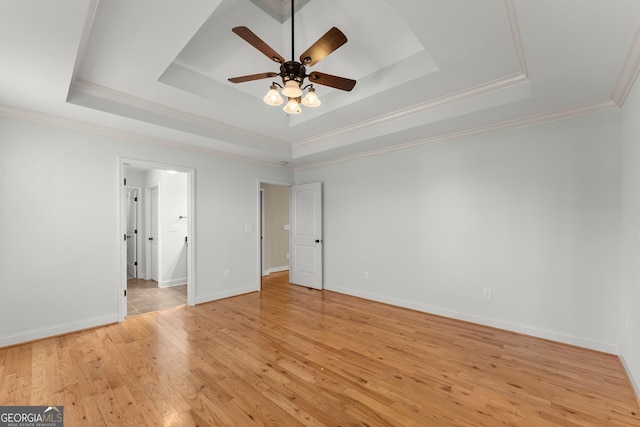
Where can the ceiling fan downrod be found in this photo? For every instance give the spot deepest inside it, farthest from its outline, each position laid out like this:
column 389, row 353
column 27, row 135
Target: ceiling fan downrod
column 293, row 52
column 293, row 70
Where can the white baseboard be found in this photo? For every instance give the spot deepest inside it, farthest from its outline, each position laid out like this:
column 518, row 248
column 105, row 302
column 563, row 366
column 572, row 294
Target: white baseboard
column 40, row 333
column 279, row 269
column 275, row 270
column 508, row 326
column 226, row 294
column 635, row 381
column 173, row 282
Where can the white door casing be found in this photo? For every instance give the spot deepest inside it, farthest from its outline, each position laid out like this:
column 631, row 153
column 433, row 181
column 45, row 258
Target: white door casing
column 154, row 237
column 306, row 235
column 121, row 289
column 263, row 270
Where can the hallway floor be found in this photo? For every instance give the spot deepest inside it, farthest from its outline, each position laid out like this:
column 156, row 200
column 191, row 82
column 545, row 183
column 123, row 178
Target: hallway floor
column 144, row 296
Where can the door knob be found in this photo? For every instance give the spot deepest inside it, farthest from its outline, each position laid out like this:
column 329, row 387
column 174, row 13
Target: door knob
column 150, row 238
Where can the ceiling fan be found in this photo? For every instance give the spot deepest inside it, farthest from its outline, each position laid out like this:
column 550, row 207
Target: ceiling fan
column 293, row 73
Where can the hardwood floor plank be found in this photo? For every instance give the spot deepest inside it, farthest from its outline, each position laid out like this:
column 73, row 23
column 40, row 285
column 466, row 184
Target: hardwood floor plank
column 299, row 357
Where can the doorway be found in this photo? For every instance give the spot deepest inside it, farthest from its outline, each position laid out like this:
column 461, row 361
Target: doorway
column 158, row 274
column 273, row 212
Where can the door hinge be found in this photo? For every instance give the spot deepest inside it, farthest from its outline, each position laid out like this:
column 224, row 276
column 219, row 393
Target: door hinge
column 125, row 237
column 135, row 263
column 135, row 199
column 125, row 292
column 125, row 181
column 135, row 231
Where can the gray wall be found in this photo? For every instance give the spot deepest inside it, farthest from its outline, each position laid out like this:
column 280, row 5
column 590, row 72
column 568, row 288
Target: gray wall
column 532, row 214
column 60, row 225
column 548, row 217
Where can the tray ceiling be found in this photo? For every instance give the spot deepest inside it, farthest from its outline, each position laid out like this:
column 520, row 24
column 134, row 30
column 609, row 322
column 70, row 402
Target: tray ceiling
column 426, row 70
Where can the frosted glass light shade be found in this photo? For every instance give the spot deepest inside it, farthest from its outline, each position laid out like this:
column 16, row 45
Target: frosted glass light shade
column 292, row 107
column 311, row 99
column 291, row 89
column 273, row 97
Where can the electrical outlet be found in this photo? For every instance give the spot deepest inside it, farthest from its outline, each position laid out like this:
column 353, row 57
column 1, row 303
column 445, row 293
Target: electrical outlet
column 486, row 293
column 227, row 274
column 368, row 275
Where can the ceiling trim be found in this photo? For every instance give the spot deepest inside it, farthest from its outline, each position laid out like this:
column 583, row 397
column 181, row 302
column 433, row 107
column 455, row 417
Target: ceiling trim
column 113, row 95
column 590, row 108
column 503, row 83
column 629, row 72
column 512, row 19
column 63, row 122
column 84, row 39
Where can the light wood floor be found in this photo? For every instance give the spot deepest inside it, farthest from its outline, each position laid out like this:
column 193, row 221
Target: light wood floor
column 144, row 296
column 292, row 356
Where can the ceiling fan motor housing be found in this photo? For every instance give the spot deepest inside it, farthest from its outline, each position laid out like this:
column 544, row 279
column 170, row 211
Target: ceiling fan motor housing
column 293, row 70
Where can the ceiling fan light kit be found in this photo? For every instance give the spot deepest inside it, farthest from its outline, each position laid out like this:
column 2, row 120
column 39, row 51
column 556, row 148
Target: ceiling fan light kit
column 292, row 106
column 291, row 89
column 293, row 73
column 311, row 99
column 273, row 97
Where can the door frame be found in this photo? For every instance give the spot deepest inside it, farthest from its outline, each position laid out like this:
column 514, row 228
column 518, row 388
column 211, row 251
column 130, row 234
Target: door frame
column 148, row 191
column 121, row 287
column 261, row 232
column 259, row 220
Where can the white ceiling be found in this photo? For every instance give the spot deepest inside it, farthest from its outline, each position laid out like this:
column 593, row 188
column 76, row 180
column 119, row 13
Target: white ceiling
column 427, row 70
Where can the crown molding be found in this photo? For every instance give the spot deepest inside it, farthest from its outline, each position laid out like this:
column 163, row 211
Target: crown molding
column 595, row 107
column 533, row 120
column 84, row 39
column 512, row 19
column 628, row 73
column 62, row 122
column 101, row 92
column 502, row 83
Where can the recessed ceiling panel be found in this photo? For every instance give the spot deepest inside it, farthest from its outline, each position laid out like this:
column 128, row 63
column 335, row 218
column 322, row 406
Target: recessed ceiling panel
column 216, row 53
column 280, row 10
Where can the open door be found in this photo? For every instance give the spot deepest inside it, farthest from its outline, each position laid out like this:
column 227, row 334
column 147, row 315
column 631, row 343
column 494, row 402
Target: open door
column 306, row 235
column 132, row 233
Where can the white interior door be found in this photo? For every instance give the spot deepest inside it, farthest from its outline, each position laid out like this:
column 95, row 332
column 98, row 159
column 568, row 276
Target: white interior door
column 154, row 237
column 306, row 235
column 132, row 233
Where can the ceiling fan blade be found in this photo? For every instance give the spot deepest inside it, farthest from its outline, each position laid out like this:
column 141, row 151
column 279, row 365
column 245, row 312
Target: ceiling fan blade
column 332, row 39
column 258, row 43
column 251, row 77
column 341, row 83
